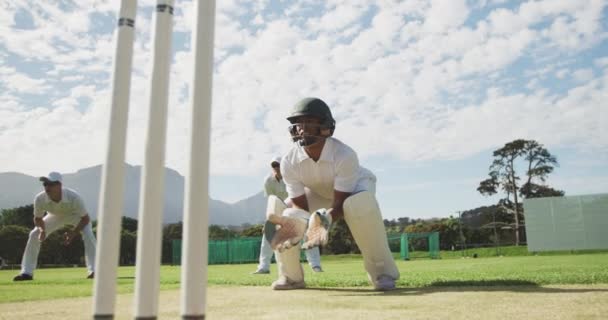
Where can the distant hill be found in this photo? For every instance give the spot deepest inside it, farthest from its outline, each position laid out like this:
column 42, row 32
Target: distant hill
column 17, row 189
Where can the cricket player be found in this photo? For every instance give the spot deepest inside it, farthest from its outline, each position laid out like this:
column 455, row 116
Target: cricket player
column 63, row 206
column 323, row 178
column 274, row 185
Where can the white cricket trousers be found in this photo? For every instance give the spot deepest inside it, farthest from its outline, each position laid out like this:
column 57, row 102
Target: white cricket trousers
column 52, row 223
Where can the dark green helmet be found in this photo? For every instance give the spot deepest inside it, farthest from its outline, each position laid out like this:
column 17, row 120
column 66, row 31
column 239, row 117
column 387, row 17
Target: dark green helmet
column 313, row 107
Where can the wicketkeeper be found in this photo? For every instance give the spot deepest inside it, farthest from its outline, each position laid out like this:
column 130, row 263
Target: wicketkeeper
column 323, row 177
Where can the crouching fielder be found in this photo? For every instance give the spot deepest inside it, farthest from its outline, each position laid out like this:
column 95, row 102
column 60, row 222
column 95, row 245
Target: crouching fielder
column 322, row 172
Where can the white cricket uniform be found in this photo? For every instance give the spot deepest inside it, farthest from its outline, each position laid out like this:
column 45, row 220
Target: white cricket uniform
column 272, row 186
column 275, row 187
column 68, row 211
column 338, row 169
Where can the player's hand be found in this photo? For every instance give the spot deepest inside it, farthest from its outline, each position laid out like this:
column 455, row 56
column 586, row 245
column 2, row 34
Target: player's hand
column 68, row 237
column 317, row 233
column 290, row 231
column 42, row 235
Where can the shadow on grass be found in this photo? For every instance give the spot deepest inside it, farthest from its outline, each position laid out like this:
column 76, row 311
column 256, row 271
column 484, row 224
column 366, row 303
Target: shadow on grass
column 462, row 286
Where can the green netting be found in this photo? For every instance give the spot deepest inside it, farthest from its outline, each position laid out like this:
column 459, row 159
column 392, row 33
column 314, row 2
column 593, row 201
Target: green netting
column 567, row 223
column 394, row 241
column 432, row 242
column 229, row 251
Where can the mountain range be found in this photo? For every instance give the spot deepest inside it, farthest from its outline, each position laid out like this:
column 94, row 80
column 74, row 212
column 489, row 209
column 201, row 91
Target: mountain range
column 17, row 189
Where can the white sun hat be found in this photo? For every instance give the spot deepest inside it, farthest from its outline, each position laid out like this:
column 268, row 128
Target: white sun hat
column 275, row 159
column 52, row 177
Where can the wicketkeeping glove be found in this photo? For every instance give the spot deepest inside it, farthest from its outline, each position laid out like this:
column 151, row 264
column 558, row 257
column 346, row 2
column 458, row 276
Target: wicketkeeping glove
column 288, row 232
column 319, row 225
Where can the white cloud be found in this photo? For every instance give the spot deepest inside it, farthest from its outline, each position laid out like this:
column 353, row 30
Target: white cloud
column 583, row 75
column 601, row 62
column 445, row 14
column 562, row 73
column 22, row 83
column 504, row 22
column 417, row 83
column 338, row 17
column 497, row 52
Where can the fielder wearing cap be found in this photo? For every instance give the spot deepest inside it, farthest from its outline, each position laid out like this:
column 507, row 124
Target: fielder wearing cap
column 274, row 186
column 62, row 206
column 323, row 177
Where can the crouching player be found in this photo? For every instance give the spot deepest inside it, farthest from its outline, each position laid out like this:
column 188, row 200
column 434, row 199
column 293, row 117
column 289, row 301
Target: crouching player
column 322, row 172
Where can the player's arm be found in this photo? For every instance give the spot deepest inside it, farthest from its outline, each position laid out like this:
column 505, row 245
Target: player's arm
column 39, row 223
column 84, row 220
column 294, row 187
column 38, row 220
column 267, row 188
column 347, row 174
column 320, row 222
column 336, row 210
column 69, row 236
column 300, row 202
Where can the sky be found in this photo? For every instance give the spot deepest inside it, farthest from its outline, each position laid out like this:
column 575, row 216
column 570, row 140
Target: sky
column 424, row 91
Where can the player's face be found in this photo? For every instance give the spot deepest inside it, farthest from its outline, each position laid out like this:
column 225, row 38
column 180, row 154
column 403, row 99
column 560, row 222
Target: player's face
column 307, row 125
column 52, row 188
column 306, row 130
column 276, row 168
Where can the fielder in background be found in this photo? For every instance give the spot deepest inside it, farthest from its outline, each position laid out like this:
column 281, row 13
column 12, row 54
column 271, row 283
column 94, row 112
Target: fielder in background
column 323, row 177
column 63, row 206
column 274, row 186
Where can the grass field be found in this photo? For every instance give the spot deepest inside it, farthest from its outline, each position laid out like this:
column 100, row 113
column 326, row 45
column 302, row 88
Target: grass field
column 543, row 287
column 343, row 271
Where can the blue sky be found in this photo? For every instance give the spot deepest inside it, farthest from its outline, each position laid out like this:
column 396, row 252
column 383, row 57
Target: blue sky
column 423, row 90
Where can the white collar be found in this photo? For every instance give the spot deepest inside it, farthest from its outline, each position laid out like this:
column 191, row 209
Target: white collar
column 326, row 152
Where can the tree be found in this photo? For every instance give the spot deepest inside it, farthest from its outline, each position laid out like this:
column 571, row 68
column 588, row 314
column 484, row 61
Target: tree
column 340, row 239
column 13, row 239
column 171, row 232
column 220, row 233
column 253, row 231
column 54, row 252
column 533, row 190
column 540, row 164
column 21, row 216
column 503, row 175
column 128, row 247
column 129, row 224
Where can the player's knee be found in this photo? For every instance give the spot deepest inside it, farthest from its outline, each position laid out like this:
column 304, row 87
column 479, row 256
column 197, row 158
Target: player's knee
column 274, row 205
column 360, row 204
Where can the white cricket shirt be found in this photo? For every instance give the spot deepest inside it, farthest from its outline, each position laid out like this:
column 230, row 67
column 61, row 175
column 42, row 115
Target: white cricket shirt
column 272, row 186
column 337, row 169
column 71, row 204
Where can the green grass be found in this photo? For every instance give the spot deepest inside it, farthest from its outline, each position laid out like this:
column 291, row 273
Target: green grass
column 340, row 271
column 510, row 251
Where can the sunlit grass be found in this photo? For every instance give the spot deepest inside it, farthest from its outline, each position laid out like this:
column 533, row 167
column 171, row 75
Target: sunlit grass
column 340, row 271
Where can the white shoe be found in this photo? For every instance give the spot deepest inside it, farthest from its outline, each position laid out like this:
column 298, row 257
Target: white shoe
column 384, row 283
column 317, row 269
column 283, row 283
